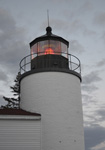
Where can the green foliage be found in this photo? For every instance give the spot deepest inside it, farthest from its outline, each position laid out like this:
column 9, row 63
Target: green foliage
column 13, row 102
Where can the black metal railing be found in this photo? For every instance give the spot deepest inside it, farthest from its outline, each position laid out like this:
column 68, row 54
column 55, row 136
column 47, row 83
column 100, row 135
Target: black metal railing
column 73, row 62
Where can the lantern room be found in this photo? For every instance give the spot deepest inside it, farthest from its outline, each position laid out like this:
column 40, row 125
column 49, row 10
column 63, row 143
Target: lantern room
column 49, row 47
column 49, row 44
column 48, row 51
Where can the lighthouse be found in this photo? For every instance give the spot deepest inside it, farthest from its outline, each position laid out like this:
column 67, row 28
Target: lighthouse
column 50, row 86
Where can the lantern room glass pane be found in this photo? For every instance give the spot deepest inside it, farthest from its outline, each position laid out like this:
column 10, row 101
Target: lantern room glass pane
column 49, row 47
column 34, row 51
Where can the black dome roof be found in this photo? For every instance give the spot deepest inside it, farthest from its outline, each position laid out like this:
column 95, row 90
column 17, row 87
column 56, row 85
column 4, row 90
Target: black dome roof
column 49, row 36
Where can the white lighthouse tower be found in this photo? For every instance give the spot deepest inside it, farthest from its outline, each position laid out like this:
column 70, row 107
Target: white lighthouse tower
column 50, row 85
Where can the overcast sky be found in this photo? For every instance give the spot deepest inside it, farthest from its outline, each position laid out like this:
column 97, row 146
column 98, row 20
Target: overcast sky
column 82, row 23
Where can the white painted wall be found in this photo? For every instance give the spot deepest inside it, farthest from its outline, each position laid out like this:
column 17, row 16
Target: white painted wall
column 19, row 134
column 57, row 97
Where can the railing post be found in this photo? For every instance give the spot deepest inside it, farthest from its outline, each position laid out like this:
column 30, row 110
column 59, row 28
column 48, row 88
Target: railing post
column 25, row 65
column 70, row 63
column 80, row 66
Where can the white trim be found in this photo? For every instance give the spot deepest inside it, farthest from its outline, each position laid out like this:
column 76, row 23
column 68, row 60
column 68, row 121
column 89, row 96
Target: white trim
column 19, row 117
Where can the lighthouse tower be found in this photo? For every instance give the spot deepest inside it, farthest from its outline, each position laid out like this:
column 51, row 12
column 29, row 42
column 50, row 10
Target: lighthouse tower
column 50, row 85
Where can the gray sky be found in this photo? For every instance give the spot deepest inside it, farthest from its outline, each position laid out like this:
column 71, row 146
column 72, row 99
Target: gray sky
column 82, row 23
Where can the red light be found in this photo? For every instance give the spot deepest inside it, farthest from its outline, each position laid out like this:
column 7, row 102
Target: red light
column 49, row 51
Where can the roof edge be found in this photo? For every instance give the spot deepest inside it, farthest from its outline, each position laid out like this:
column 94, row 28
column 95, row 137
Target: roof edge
column 17, row 112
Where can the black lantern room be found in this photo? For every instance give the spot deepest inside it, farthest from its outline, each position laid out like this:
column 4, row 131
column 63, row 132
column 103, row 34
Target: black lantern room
column 49, row 51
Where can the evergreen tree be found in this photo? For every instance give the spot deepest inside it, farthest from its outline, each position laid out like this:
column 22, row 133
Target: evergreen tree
column 13, row 102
